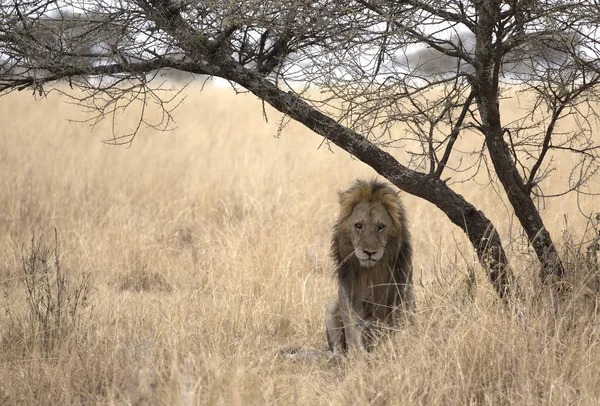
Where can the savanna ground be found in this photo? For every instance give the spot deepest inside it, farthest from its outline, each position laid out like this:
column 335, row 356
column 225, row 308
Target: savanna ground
column 207, row 252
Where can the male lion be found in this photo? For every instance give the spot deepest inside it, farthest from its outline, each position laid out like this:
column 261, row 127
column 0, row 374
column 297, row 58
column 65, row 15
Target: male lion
column 372, row 251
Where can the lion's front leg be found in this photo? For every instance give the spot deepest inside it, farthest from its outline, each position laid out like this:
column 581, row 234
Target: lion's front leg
column 353, row 320
column 336, row 339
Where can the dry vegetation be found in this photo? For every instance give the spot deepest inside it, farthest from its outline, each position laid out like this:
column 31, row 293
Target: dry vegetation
column 207, row 251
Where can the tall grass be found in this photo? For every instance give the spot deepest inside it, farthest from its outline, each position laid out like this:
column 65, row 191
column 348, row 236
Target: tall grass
column 208, row 251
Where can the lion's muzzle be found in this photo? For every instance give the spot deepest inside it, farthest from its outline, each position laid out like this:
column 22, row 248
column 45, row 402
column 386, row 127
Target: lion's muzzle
column 367, row 257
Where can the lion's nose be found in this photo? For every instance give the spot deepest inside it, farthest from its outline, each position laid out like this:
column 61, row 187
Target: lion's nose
column 369, row 253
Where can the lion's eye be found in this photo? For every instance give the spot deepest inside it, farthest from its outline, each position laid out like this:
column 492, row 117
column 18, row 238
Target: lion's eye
column 381, row 227
column 358, row 226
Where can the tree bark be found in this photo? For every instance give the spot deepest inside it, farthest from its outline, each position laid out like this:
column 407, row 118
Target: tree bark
column 487, row 70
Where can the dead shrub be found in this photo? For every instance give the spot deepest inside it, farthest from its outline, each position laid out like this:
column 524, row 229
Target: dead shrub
column 53, row 298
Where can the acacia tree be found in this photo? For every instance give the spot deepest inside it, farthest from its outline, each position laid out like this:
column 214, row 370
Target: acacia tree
column 438, row 68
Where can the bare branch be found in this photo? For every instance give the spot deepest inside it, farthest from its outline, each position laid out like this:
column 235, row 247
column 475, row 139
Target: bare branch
column 454, row 134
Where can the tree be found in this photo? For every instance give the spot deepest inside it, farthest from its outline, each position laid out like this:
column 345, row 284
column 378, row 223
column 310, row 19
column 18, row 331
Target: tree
column 440, row 68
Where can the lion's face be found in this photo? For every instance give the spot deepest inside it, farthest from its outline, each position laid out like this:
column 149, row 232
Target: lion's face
column 369, row 225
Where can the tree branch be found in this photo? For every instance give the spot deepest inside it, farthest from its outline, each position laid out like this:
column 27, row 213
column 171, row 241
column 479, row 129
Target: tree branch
column 454, row 134
column 454, row 50
column 443, row 14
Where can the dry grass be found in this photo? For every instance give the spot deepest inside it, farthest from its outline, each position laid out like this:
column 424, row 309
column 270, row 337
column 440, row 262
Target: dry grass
column 208, row 252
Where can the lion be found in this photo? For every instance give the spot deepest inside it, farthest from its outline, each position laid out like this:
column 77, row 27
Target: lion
column 373, row 256
column 372, row 252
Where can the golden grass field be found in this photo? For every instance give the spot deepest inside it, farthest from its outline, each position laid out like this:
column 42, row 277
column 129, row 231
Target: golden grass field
column 208, row 250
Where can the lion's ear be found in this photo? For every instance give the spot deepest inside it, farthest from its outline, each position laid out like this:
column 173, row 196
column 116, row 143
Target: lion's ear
column 346, row 203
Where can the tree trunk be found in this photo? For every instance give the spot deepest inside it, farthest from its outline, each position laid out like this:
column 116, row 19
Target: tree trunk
column 487, row 86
